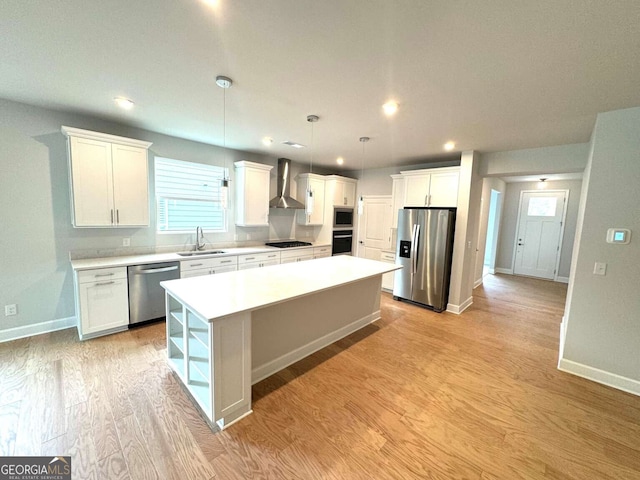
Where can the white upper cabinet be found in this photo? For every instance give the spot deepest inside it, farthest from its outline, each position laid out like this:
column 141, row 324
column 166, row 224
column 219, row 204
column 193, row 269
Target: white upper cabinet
column 343, row 190
column 252, row 194
column 436, row 187
column 444, row 189
column 316, row 184
column 109, row 179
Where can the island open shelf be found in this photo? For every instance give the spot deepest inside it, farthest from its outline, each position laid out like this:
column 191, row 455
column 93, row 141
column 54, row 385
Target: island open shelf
column 226, row 332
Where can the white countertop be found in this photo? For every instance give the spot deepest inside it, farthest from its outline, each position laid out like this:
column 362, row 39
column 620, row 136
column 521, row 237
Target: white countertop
column 215, row 296
column 124, row 261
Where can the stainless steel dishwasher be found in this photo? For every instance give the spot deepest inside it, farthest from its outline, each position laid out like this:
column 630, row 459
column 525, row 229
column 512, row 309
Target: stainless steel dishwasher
column 146, row 296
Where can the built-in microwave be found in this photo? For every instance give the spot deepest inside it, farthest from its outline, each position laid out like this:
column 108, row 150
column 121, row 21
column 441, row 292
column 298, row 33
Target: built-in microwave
column 343, row 217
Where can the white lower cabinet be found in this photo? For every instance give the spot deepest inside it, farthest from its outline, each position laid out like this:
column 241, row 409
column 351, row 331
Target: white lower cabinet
column 321, row 252
column 102, row 301
column 387, row 278
column 300, row 255
column 258, row 260
column 207, row 266
column 208, row 356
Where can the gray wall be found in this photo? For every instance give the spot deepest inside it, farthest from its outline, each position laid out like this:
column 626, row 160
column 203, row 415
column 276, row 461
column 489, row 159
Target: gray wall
column 603, row 312
column 506, row 240
column 37, row 234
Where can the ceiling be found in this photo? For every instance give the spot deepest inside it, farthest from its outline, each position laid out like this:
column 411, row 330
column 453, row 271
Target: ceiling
column 491, row 76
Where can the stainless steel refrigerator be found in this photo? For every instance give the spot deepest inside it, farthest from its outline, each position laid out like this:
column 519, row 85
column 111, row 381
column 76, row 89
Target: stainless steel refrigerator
column 424, row 249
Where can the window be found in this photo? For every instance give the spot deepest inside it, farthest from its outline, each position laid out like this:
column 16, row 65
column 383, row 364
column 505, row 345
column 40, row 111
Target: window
column 542, row 207
column 188, row 196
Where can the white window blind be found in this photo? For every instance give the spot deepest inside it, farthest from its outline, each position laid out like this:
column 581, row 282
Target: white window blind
column 188, row 196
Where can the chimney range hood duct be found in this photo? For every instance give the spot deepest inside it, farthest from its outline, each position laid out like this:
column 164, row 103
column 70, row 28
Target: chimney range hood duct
column 282, row 198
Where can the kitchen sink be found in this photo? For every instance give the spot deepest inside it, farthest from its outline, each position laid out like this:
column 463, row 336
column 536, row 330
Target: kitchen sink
column 202, row 252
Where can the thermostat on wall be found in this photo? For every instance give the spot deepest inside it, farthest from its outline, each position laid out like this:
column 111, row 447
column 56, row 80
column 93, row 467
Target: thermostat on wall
column 618, row 235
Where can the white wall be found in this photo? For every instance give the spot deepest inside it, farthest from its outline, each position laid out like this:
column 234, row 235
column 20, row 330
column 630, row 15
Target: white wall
column 506, row 241
column 37, row 234
column 532, row 161
column 602, row 316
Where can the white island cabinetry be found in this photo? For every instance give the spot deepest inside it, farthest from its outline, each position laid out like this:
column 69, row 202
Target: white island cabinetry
column 102, row 301
column 252, row 194
column 262, row 321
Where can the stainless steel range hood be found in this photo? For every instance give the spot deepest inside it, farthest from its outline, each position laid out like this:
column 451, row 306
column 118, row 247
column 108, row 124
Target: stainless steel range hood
column 283, row 198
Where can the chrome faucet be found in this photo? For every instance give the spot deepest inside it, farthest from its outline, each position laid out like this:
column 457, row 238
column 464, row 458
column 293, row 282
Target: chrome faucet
column 200, row 243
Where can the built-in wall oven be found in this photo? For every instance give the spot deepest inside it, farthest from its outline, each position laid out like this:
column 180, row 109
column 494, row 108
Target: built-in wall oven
column 342, row 242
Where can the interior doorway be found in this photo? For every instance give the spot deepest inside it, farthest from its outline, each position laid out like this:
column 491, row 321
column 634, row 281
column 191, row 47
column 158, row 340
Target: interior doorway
column 493, row 232
column 374, row 226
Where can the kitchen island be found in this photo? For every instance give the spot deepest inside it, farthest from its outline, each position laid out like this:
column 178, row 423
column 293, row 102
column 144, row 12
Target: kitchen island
column 227, row 332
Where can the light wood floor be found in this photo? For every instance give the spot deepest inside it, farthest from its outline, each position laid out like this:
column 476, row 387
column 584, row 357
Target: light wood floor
column 417, row 395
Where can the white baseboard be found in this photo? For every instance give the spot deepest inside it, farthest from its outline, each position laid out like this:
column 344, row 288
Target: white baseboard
column 600, row 376
column 458, row 309
column 37, row 329
column 269, row 368
column 477, row 283
column 562, row 279
column 506, row 271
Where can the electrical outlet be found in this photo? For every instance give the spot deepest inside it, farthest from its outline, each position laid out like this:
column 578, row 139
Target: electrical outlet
column 126, row 242
column 600, row 268
column 10, row 310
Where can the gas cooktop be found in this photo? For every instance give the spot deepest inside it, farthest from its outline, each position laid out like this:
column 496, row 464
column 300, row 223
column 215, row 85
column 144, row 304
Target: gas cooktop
column 288, row 244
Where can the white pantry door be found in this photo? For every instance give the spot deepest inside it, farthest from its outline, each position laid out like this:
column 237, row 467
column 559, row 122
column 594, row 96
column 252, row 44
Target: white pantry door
column 540, row 224
column 374, row 229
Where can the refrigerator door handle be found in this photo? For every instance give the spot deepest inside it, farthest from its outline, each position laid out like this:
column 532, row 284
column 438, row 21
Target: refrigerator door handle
column 414, row 248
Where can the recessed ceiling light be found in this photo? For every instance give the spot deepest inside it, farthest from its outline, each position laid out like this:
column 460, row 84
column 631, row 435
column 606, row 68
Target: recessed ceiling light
column 449, row 146
column 211, row 3
column 390, row 108
column 293, row 144
column 124, row 103
column 339, row 160
column 267, row 141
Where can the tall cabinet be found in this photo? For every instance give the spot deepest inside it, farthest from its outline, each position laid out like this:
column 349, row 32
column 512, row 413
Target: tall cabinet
column 252, row 194
column 109, row 179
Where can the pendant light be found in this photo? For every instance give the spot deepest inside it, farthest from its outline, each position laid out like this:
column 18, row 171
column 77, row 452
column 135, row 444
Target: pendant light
column 224, row 83
column 361, row 199
column 309, row 195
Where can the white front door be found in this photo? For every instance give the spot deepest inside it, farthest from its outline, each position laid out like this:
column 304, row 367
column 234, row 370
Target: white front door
column 374, row 227
column 540, row 225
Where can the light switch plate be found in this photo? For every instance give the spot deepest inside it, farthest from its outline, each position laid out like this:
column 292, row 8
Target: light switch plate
column 10, row 310
column 600, row 268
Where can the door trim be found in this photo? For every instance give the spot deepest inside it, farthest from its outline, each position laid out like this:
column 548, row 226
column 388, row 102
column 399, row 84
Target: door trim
column 560, row 240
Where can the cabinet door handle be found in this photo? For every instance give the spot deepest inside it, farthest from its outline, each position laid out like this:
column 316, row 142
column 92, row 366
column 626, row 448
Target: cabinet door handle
column 225, row 261
column 195, row 264
column 103, row 275
column 112, row 216
column 118, row 216
column 250, row 258
column 271, row 256
column 100, row 284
